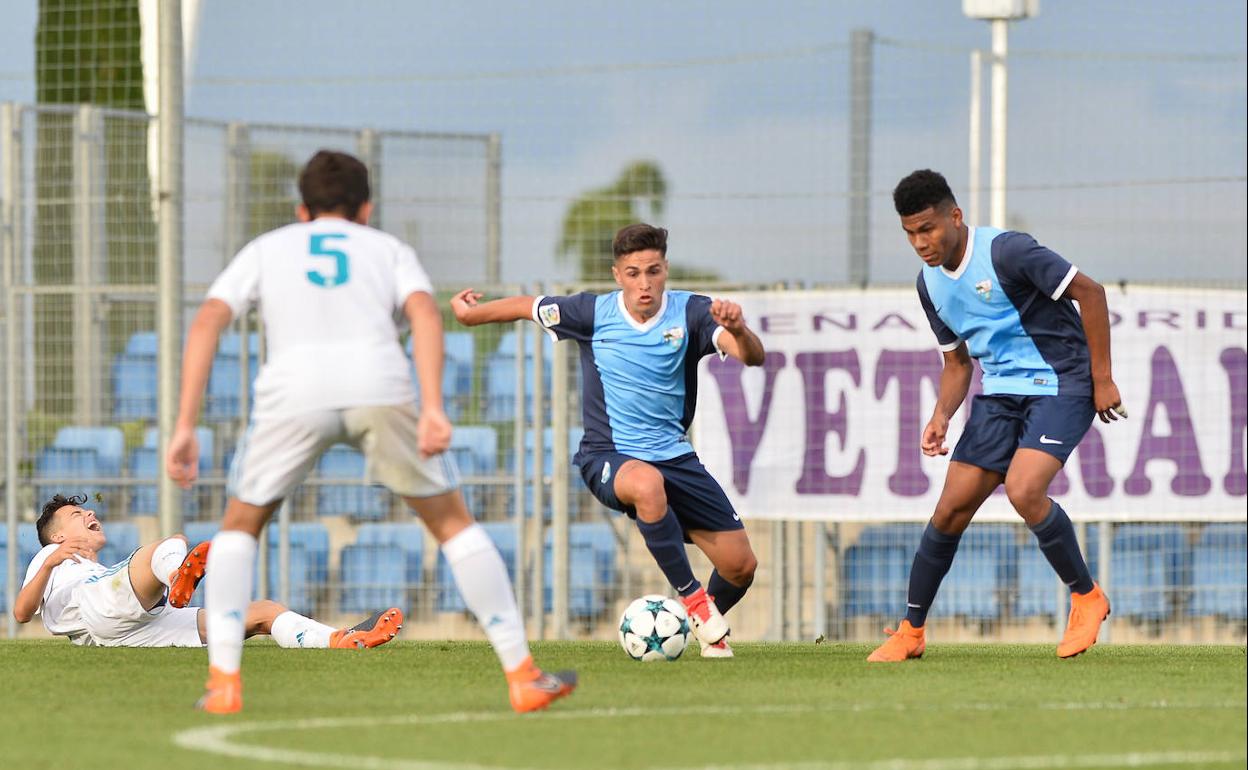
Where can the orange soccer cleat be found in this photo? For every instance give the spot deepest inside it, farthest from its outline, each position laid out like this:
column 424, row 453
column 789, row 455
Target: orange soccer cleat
column 185, row 578
column 532, row 689
column 377, row 630
column 223, row 693
column 904, row 643
column 1087, row 612
column 709, row 626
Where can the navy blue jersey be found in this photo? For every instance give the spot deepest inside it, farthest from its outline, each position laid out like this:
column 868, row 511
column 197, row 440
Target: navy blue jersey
column 1005, row 302
column 640, row 380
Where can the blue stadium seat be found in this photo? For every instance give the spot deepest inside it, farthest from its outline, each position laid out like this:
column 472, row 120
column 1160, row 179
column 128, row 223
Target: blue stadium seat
column 303, row 578
column 548, row 460
column 877, row 569
column 27, row 545
column 475, row 450
column 374, row 578
column 500, row 377
column 409, row 537
column 222, row 401
column 360, row 501
column 585, row 596
column 108, row 442
column 123, row 539
column 145, row 463
column 985, row 563
column 503, row 533
column 66, row 465
column 1148, row 564
column 310, row 536
column 1037, row 582
column 460, row 349
column 1220, row 572
column 134, row 379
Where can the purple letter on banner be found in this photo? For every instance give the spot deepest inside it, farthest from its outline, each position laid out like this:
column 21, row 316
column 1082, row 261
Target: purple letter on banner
column 820, row 422
column 1092, row 466
column 1180, row 446
column 910, row 369
column 1235, row 362
column 742, row 431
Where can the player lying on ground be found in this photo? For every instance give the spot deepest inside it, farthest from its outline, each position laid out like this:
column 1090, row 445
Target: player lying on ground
column 142, row 601
column 640, row 348
column 1000, row 297
column 333, row 294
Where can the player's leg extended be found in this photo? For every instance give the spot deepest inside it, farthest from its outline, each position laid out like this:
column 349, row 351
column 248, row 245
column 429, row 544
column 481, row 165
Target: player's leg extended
column 966, row 488
column 482, row 579
column 153, row 567
column 1027, row 485
column 734, row 562
column 640, row 485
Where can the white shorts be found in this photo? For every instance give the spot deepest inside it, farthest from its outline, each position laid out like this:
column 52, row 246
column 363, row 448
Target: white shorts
column 276, row 454
column 114, row 617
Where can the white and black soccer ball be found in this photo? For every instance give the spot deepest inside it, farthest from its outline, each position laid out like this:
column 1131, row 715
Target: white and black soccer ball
column 654, row 628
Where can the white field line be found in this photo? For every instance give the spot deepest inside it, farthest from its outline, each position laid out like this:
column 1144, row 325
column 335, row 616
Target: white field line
column 219, row 739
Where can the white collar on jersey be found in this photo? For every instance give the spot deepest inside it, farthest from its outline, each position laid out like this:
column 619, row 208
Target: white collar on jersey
column 966, row 257
column 648, row 325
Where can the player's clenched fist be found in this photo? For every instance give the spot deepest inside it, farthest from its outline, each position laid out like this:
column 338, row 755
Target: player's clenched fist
column 727, row 314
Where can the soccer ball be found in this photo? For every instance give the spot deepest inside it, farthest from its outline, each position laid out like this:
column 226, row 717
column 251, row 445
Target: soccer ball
column 654, row 628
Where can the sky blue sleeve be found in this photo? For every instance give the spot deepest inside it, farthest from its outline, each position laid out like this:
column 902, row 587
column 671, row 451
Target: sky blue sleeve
column 1018, row 259
column 567, row 318
column 944, row 335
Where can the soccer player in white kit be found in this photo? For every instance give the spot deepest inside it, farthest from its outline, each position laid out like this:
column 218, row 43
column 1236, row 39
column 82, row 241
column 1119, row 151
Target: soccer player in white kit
column 334, row 295
column 142, row 601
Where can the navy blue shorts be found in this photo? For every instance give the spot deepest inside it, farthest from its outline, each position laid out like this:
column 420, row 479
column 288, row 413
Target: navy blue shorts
column 1002, row 424
column 692, row 493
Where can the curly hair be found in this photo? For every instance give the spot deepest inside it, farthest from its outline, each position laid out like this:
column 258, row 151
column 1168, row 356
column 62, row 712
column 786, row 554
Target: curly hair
column 921, row 190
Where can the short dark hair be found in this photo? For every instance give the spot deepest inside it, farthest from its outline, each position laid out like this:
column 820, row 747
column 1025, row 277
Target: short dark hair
column 334, row 182
column 639, row 237
column 58, row 501
column 921, row 190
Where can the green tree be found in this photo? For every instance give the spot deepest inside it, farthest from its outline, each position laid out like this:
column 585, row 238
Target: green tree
column 271, row 192
column 88, row 52
column 592, row 220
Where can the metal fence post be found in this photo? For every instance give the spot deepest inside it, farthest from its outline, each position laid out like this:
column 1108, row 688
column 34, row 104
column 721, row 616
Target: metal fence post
column 89, row 246
column 538, row 544
column 237, row 188
column 368, row 145
column 493, row 208
column 1105, row 552
column 169, row 250
column 861, row 45
column 559, row 489
column 518, row 479
column 777, row 580
column 819, row 586
column 10, row 219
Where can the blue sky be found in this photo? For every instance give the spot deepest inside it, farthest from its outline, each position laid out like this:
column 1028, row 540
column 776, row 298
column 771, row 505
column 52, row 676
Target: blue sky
column 1120, row 162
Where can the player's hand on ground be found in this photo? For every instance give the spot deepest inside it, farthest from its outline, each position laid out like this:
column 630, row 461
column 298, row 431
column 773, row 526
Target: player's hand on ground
column 463, row 303
column 433, row 432
column 1107, row 400
column 727, row 314
column 933, row 443
column 182, row 461
column 72, row 545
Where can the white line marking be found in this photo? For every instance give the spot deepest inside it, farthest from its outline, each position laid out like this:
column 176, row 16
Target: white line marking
column 217, row 739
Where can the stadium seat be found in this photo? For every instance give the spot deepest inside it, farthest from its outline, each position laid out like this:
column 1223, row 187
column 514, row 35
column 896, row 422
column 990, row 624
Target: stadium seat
column 310, row 536
column 360, row 501
column 303, row 578
column 123, row 539
column 64, row 466
column 1038, row 585
column 374, row 578
column 145, row 463
column 503, row 533
column 1147, row 566
column 877, row 569
column 409, row 537
column 1220, row 572
column 460, row 349
column 222, row 401
column 548, row 460
column 500, row 377
column 982, row 569
column 475, row 449
column 135, row 379
column 108, row 442
column 591, row 567
column 27, row 545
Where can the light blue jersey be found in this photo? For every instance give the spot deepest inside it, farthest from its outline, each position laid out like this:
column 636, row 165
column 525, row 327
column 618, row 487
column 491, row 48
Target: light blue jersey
column 640, row 380
column 1005, row 301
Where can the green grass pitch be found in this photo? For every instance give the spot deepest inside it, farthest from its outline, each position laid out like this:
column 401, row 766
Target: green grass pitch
column 431, row 705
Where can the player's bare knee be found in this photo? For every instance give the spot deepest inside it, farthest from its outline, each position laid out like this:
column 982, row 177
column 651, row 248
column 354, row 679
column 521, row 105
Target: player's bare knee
column 951, row 520
column 741, row 572
column 643, row 488
column 1027, row 497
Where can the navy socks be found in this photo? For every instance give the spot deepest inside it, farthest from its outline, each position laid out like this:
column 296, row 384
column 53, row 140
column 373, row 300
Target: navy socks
column 1057, row 540
column 931, row 563
column 666, row 541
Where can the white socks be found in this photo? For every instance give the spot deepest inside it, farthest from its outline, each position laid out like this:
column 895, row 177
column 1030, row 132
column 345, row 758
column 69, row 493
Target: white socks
column 482, row 579
column 167, row 557
column 290, row 629
column 227, row 592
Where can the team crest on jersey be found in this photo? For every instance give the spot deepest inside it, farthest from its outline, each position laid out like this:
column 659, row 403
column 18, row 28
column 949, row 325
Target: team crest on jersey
column 674, row 336
column 984, row 289
column 549, row 315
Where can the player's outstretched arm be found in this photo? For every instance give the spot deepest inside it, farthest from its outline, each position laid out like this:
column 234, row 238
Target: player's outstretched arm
column 470, row 311
column 1094, row 311
column 182, row 460
column 740, row 343
column 955, row 382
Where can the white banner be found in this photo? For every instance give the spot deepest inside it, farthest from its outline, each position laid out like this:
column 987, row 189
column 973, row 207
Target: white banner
column 829, row 428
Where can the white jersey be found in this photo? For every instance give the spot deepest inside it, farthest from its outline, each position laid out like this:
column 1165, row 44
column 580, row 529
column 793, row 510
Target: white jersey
column 59, row 608
column 331, row 293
